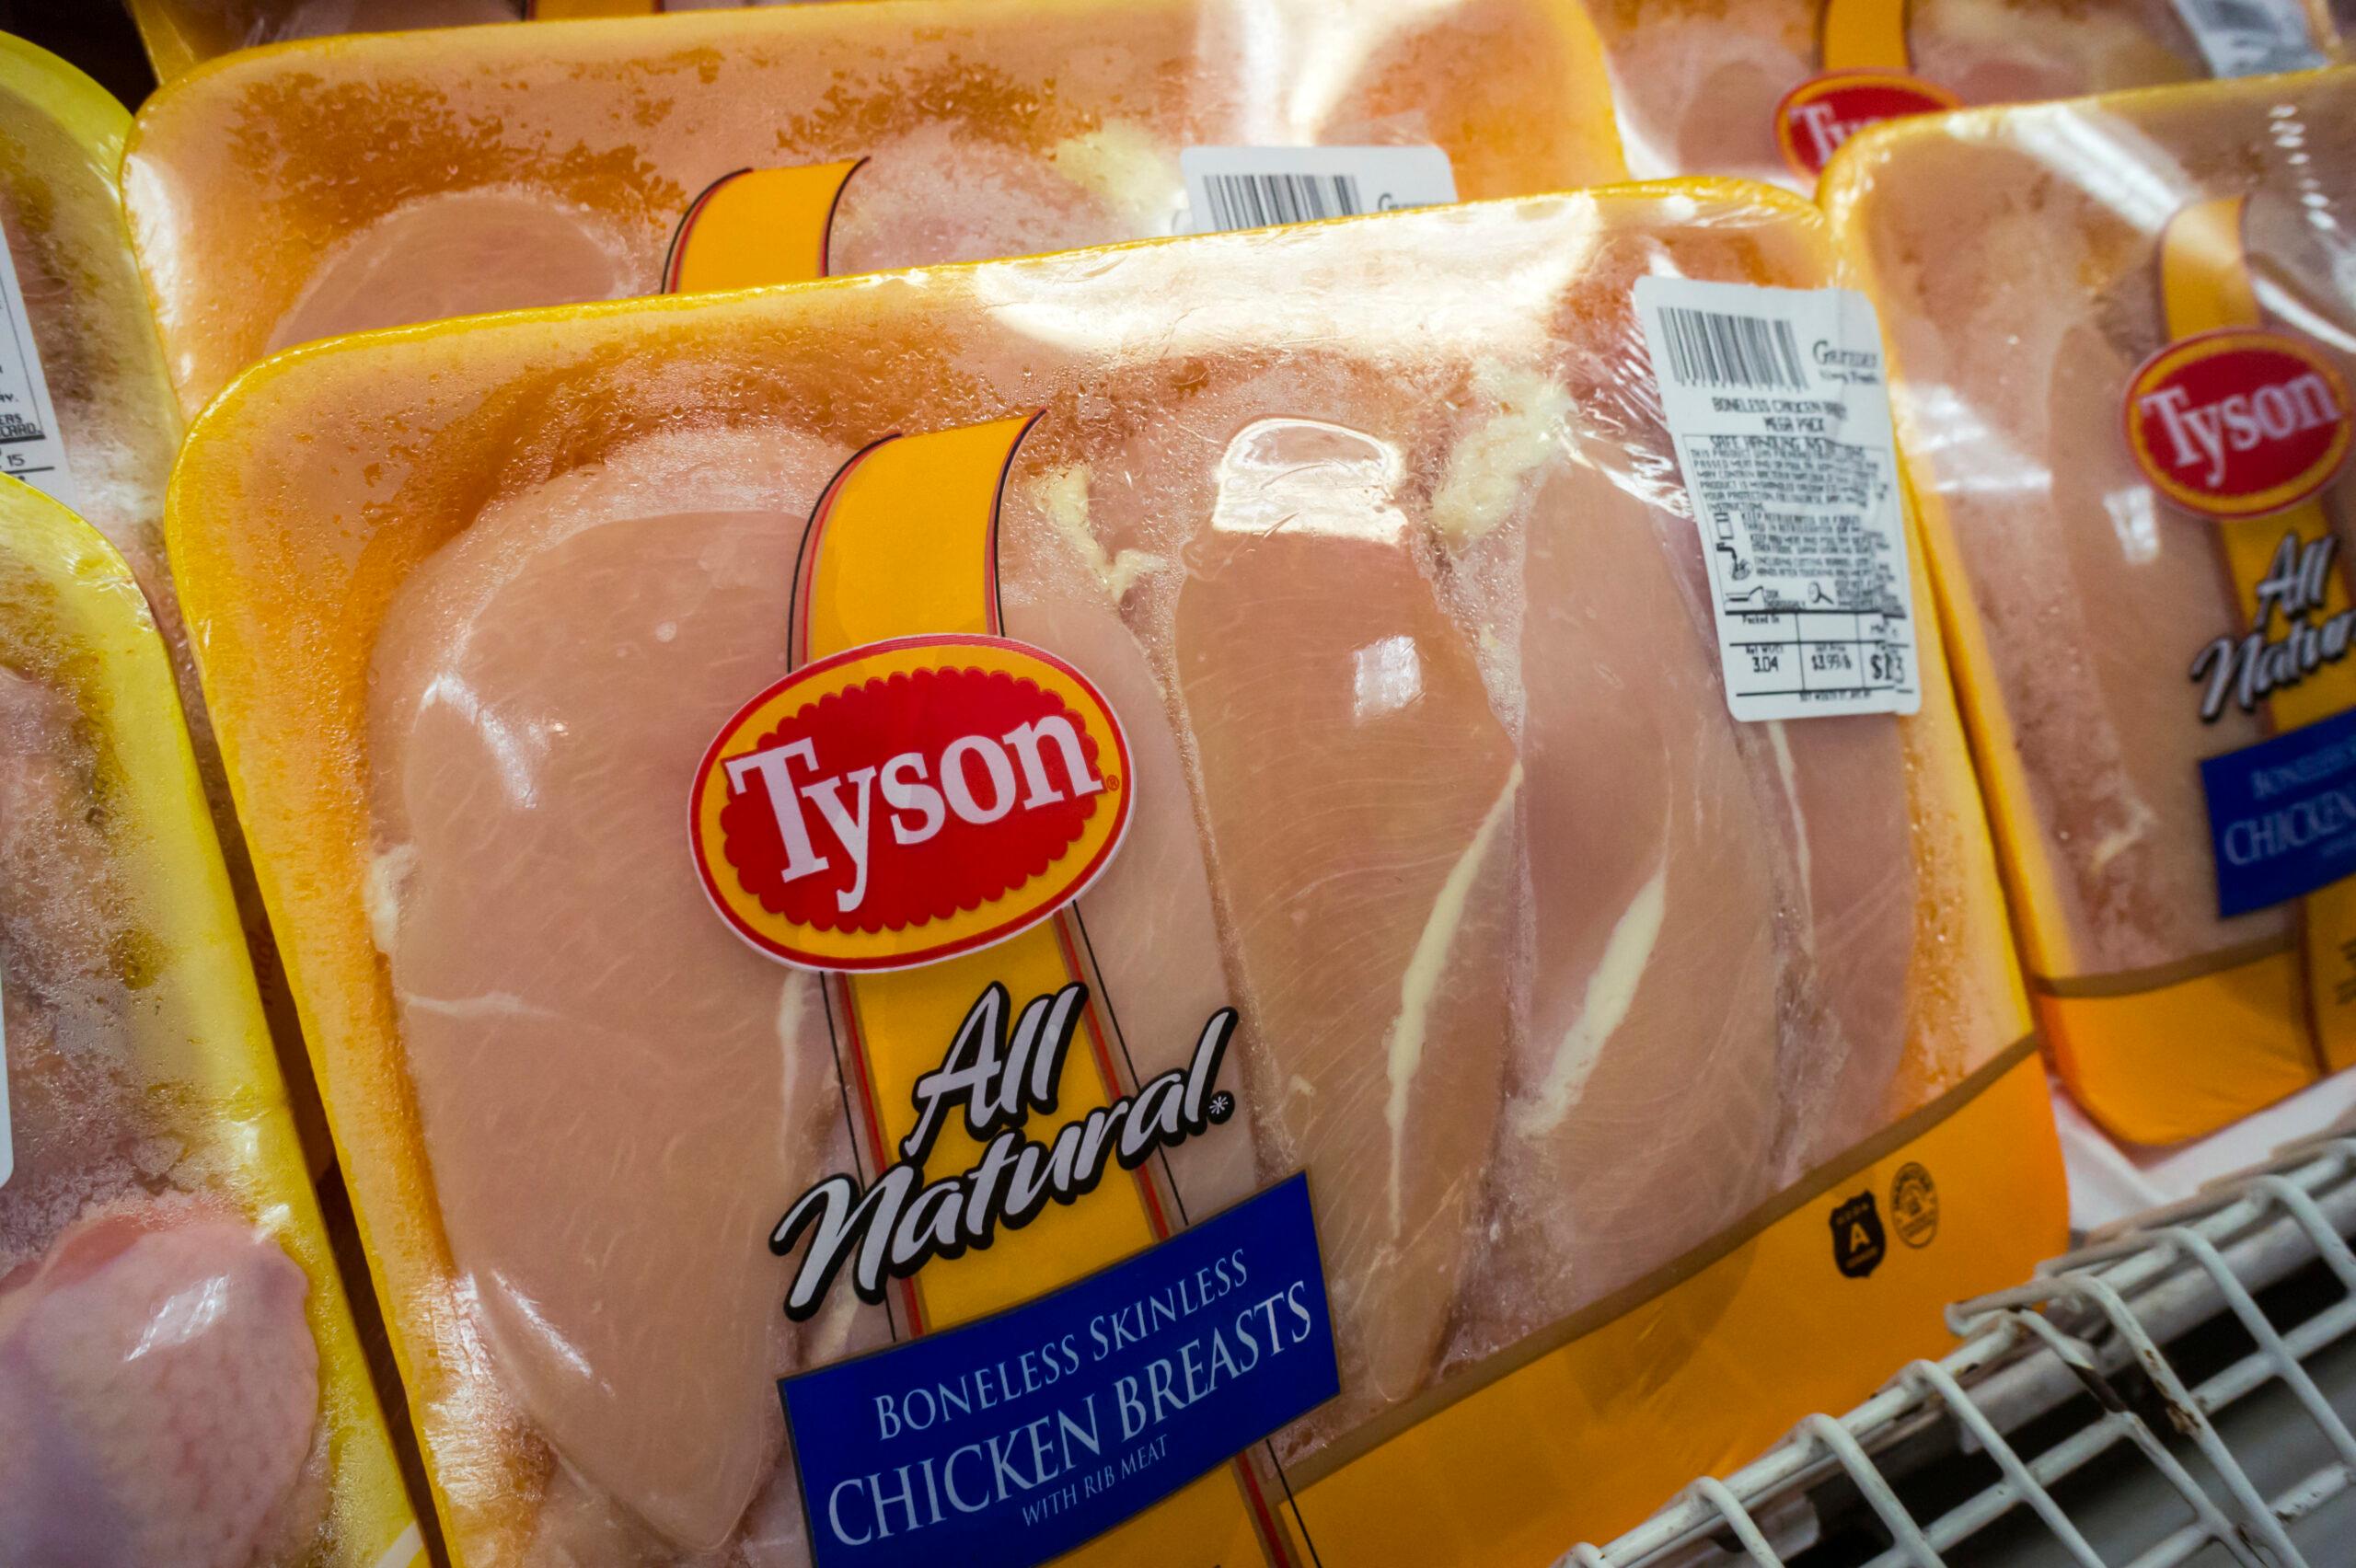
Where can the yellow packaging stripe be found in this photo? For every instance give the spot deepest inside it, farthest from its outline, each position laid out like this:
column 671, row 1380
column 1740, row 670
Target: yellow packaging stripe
column 1864, row 35
column 905, row 544
column 756, row 226
column 201, row 1025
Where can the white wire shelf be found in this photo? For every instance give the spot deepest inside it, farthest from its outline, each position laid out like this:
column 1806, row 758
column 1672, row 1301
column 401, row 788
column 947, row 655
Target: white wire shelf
column 2176, row 1391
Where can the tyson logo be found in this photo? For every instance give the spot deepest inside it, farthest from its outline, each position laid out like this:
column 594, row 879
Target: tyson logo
column 909, row 800
column 2238, row 421
column 1822, row 112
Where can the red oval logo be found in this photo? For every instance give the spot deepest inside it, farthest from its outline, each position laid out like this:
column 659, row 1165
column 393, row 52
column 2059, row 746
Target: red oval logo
column 2239, row 421
column 1822, row 112
column 907, row 800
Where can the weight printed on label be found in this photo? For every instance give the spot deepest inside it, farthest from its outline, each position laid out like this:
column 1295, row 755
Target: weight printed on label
column 1242, row 188
column 31, row 448
column 1777, row 405
column 2252, row 38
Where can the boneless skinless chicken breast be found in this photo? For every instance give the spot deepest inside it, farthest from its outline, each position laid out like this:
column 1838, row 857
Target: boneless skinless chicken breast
column 1697, row 85
column 159, row 1387
column 1435, row 784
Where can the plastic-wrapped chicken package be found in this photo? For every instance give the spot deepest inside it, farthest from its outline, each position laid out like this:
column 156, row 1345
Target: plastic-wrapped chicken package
column 2120, row 331
column 1769, row 90
column 1127, row 877
column 180, row 1383
column 513, row 167
column 180, row 34
column 91, row 418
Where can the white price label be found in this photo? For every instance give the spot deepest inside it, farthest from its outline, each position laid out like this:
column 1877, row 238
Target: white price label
column 2252, row 38
column 30, row 447
column 1777, row 404
column 1242, row 188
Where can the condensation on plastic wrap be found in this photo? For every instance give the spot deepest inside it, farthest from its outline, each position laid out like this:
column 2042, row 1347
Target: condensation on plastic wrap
column 60, row 151
column 515, row 166
column 180, row 1385
column 1698, row 86
column 1549, row 972
column 2018, row 258
column 180, row 34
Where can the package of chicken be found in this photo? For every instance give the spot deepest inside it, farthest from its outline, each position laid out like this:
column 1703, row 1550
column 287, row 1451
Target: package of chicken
column 1769, row 90
column 2120, row 331
column 181, row 34
column 89, row 415
column 1157, row 904
column 180, row 1384
column 564, row 162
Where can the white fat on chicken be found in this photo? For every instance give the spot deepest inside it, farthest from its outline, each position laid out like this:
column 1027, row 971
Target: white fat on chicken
column 1643, row 1099
column 1365, row 867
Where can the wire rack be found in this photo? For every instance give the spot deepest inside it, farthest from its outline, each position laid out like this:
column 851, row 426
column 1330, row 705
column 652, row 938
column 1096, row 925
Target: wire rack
column 2175, row 1391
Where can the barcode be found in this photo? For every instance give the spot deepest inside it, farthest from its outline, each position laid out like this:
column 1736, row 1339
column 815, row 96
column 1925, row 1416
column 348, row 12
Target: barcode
column 1709, row 348
column 2250, row 16
column 1257, row 200
column 2248, row 38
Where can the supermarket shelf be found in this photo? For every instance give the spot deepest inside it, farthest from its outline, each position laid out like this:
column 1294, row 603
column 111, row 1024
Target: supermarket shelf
column 2176, row 1391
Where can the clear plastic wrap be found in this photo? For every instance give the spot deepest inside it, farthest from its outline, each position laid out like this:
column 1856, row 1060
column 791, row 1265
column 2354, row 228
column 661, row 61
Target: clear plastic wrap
column 1712, row 89
column 100, row 369
column 179, row 1382
column 180, row 34
column 1586, row 1009
column 556, row 164
column 2035, row 268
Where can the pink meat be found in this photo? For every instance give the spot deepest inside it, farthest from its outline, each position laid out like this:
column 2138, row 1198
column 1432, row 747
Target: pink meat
column 1697, row 85
column 618, row 1097
column 936, row 194
column 158, row 1391
column 1149, row 918
column 1359, row 795
column 457, row 254
column 2094, row 598
column 543, row 689
column 1646, row 1098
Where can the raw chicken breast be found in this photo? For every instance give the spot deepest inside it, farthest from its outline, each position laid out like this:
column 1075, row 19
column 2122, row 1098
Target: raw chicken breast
column 2071, row 560
column 74, row 1099
column 1149, row 918
column 1837, row 806
column 180, row 1385
column 1359, row 796
column 1646, row 1098
column 158, row 1389
column 985, row 130
column 618, row 1100
column 936, row 195
column 461, row 253
column 1551, row 972
column 1845, row 814
column 641, row 1330
column 2022, row 51
column 1698, row 85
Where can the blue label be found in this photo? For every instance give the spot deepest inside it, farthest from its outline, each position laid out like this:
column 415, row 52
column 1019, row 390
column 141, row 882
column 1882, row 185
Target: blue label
column 2282, row 815
column 1009, row 1441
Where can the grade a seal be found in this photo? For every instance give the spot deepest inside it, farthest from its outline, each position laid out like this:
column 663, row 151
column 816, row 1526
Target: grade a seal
column 907, row 800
